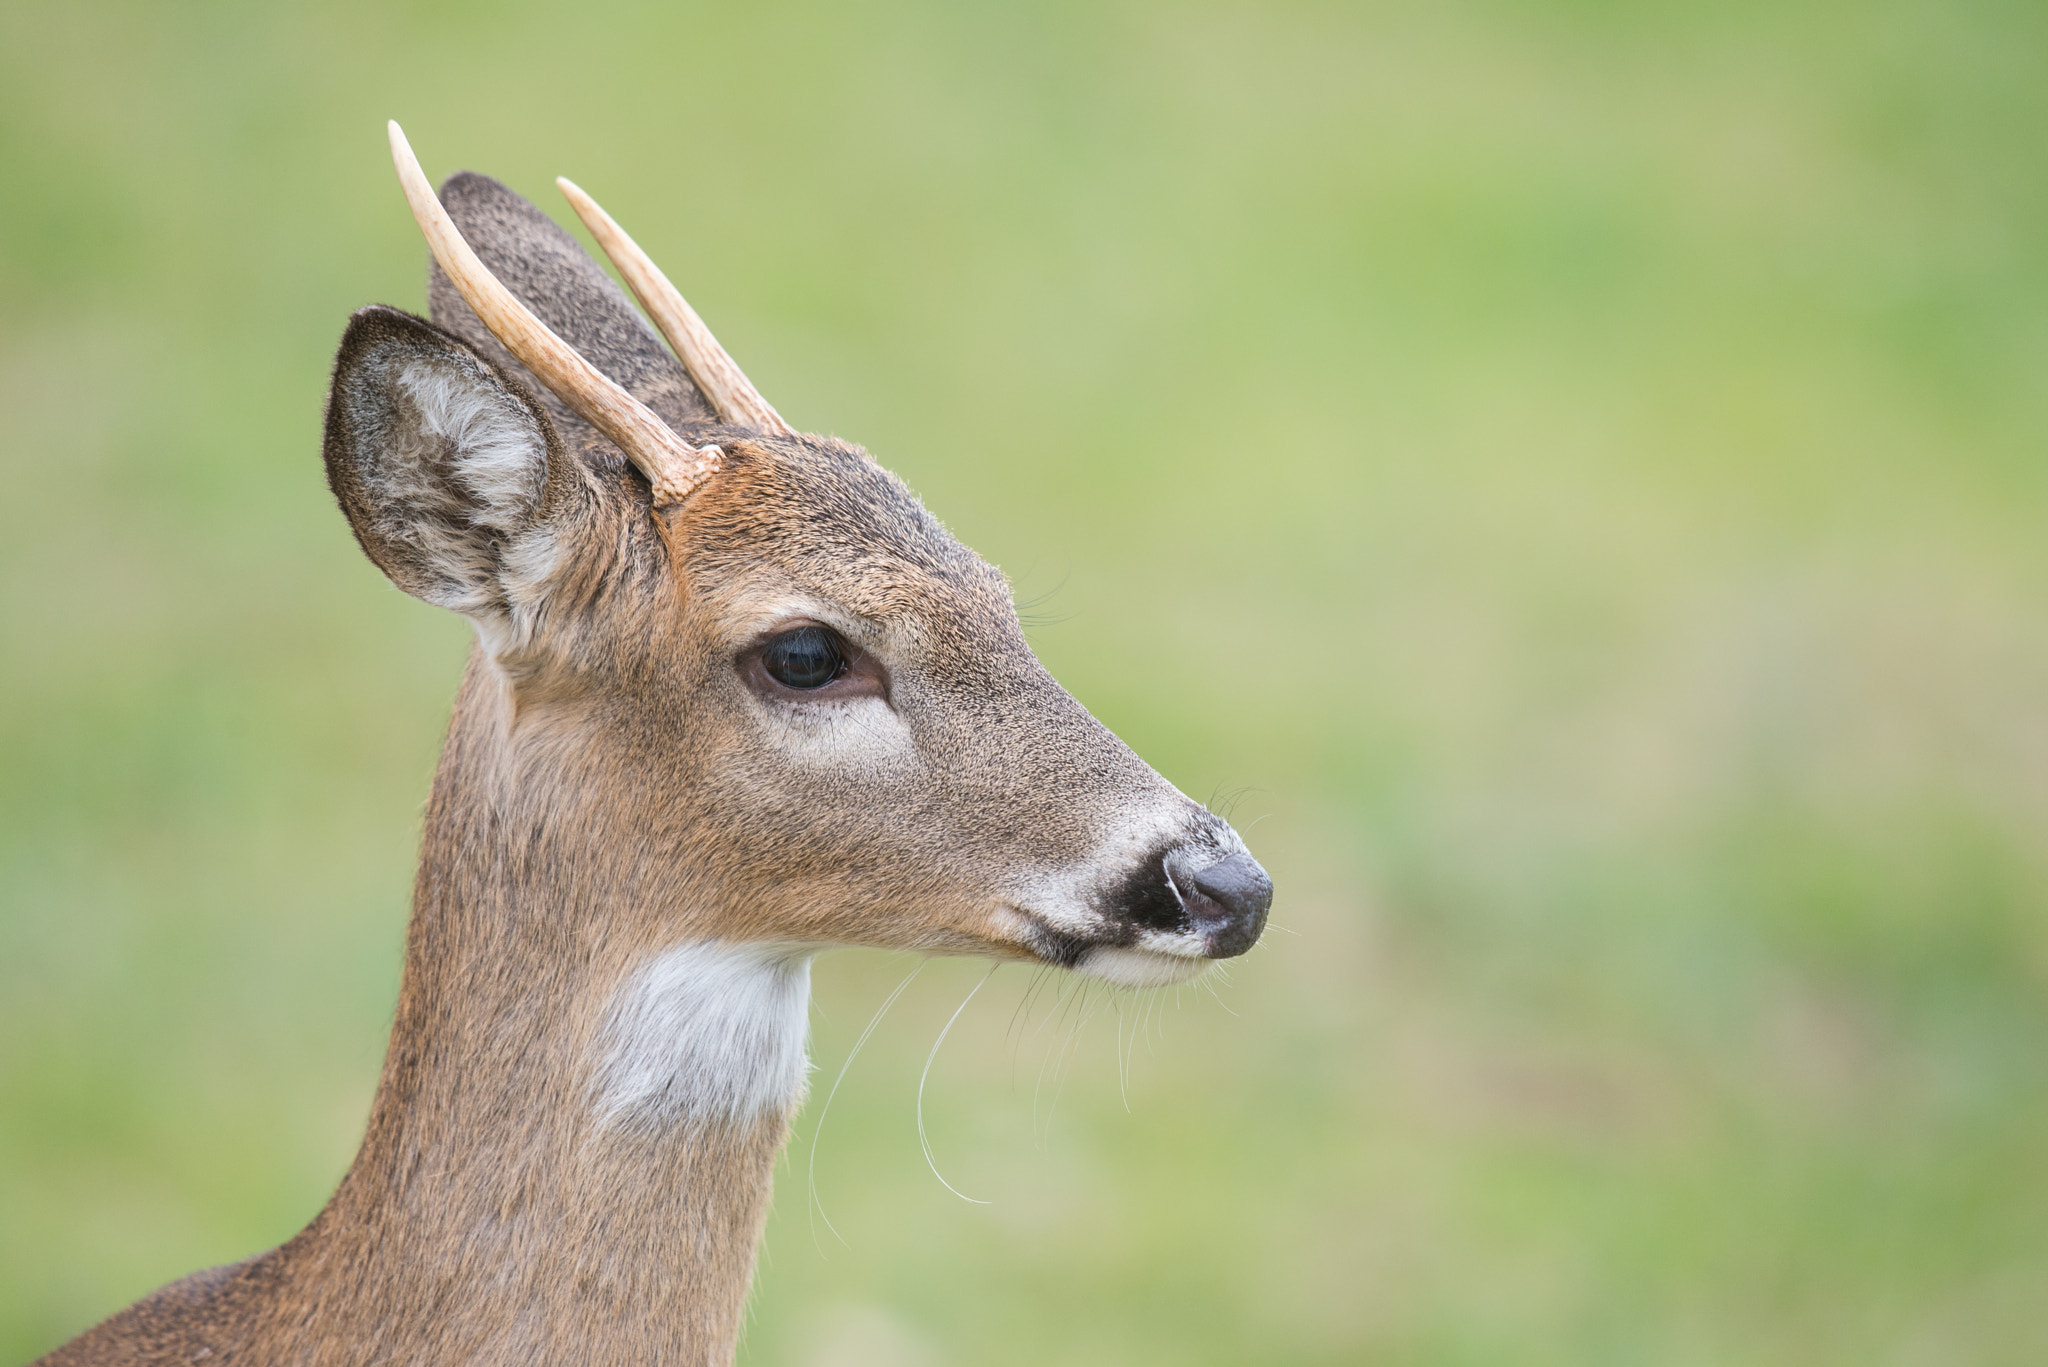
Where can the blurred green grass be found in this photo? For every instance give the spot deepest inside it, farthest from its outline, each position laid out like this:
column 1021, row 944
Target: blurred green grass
column 1574, row 475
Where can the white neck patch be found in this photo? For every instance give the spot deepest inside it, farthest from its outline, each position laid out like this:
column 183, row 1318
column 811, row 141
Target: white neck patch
column 707, row 1031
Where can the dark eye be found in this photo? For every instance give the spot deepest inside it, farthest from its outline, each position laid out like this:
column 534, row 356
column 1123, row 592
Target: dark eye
column 808, row 657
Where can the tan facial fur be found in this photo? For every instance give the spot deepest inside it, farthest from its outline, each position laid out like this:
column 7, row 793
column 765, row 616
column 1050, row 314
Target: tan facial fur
column 638, row 838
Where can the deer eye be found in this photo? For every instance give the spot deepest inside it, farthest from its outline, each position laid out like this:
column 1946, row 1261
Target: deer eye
column 808, row 657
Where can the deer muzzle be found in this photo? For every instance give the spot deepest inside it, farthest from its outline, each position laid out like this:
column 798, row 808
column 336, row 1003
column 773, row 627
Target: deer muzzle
column 1200, row 899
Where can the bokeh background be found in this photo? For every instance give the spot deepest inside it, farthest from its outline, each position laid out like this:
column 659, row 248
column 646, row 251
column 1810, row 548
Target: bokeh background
column 1571, row 477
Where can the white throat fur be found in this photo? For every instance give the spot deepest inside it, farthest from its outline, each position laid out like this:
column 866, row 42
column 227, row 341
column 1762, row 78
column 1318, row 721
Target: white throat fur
column 707, row 1031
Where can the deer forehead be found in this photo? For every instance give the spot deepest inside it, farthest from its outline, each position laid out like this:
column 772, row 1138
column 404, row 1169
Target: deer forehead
column 903, row 618
column 813, row 528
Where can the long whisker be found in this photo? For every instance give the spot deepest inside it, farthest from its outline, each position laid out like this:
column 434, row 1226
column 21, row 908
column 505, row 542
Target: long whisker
column 923, row 1138
column 826, row 1109
column 1063, row 1069
column 1068, row 987
column 1022, row 1015
column 1123, row 1090
column 1208, row 981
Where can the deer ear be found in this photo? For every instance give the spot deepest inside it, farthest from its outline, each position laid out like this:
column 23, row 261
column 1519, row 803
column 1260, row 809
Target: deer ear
column 443, row 469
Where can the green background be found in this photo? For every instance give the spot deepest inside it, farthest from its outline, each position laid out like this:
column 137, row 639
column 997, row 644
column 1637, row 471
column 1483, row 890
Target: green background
column 1572, row 476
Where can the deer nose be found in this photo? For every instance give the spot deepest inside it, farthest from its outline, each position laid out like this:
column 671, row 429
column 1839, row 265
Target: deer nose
column 1227, row 902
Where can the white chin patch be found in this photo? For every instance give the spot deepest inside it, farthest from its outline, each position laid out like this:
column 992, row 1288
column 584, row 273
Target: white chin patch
column 1140, row 967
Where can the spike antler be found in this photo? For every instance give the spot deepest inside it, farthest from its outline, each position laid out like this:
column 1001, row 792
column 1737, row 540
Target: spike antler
column 732, row 395
column 672, row 465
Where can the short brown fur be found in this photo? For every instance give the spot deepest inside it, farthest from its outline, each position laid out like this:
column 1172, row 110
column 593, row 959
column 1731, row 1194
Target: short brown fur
column 612, row 785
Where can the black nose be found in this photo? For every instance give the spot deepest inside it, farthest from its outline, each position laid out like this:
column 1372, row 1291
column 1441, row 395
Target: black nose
column 1228, row 902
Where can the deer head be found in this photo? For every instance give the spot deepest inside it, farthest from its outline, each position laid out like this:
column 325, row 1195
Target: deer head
column 759, row 671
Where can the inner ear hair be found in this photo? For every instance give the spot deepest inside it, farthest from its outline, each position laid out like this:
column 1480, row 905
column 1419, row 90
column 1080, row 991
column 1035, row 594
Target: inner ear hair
column 441, row 465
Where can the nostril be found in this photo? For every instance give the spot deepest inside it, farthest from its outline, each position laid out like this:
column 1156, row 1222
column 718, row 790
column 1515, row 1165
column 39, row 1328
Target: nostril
column 1236, row 884
column 1240, row 889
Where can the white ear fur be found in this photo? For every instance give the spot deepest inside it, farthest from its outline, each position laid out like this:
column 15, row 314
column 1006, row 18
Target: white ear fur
column 443, row 470
column 492, row 447
column 499, row 457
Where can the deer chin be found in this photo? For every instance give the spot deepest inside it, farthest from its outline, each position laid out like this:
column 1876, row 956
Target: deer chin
column 1133, row 966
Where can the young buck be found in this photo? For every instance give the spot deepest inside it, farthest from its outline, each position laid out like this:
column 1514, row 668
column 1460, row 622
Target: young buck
column 735, row 697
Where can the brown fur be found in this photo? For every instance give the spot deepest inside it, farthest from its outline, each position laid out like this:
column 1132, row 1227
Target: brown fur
column 611, row 786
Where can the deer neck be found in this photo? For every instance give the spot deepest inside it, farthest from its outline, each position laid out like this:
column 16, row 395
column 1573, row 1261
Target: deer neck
column 570, row 1153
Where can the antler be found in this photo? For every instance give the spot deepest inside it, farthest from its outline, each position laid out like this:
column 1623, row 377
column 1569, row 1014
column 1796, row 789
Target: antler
column 671, row 465
column 731, row 393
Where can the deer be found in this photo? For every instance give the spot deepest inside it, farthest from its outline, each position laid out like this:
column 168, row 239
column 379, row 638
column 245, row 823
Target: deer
column 734, row 697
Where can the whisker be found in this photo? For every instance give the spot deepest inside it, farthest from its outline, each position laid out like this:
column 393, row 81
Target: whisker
column 1223, row 802
column 1210, row 979
column 922, row 1138
column 1123, row 1058
column 1032, row 618
column 1065, row 1066
column 1023, row 1014
column 826, row 1109
column 1073, row 992
column 1039, row 978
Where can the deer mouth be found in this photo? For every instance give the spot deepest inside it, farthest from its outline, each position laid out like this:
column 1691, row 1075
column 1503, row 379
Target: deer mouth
column 1122, row 956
